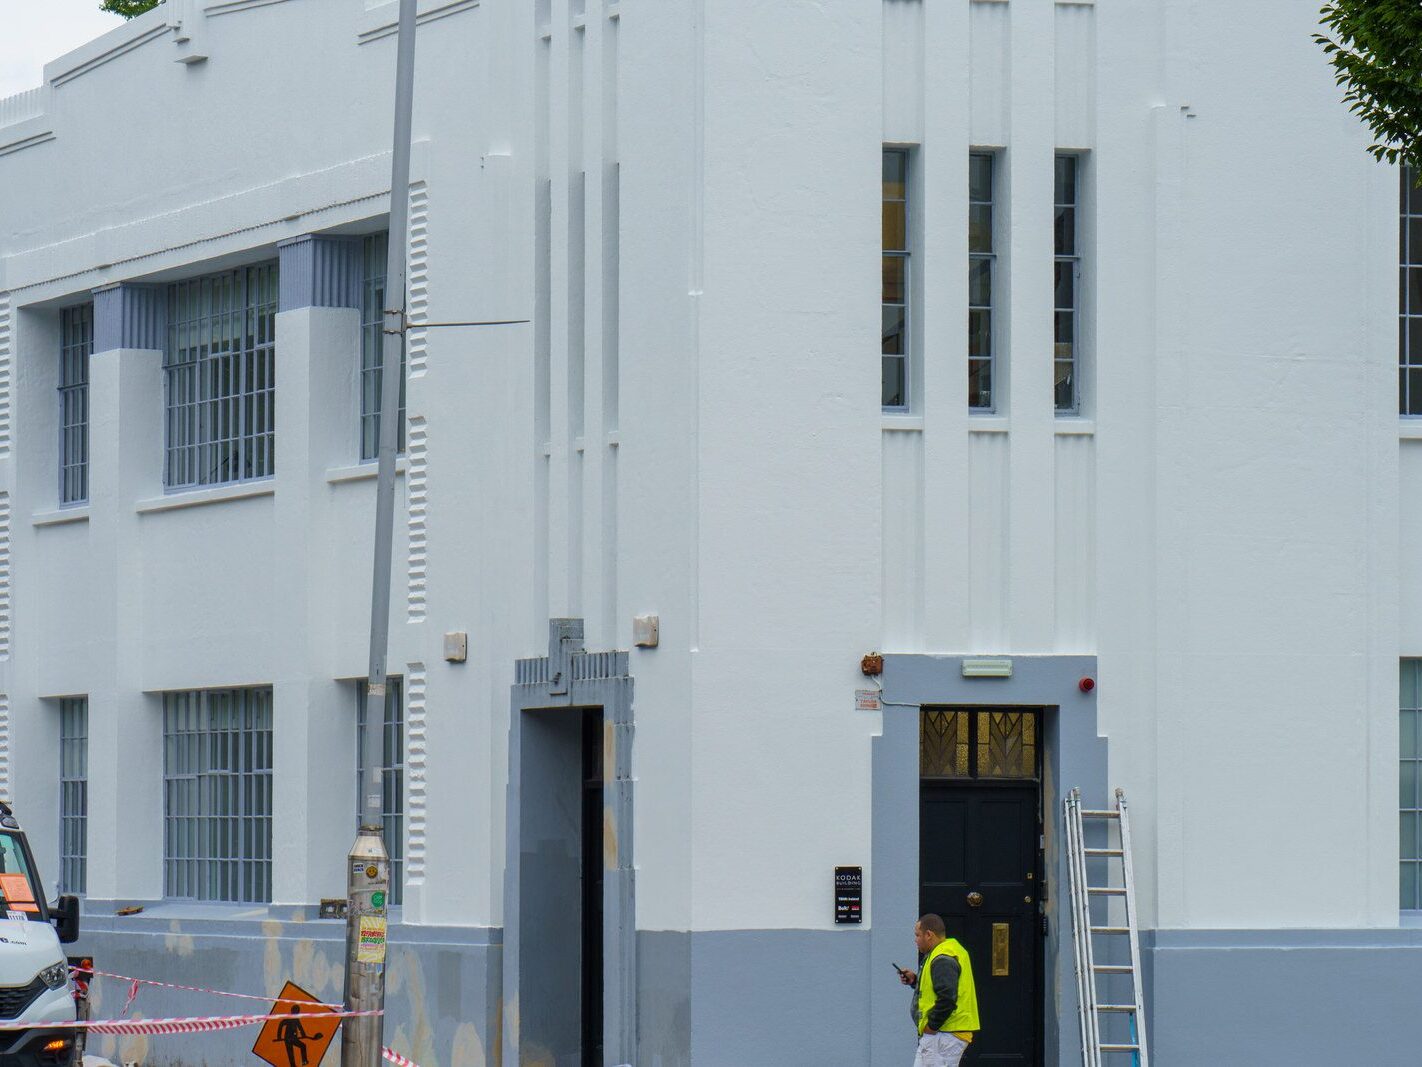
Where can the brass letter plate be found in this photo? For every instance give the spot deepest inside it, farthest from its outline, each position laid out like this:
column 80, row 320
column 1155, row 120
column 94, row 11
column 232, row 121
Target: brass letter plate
column 1001, row 950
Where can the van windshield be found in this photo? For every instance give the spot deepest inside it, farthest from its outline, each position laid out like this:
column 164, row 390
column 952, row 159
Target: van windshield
column 17, row 886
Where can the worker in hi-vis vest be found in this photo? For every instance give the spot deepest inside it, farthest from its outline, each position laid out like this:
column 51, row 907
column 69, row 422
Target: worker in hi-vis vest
column 945, row 1001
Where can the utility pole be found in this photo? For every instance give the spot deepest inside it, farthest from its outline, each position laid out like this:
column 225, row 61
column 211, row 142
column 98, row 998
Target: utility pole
column 368, row 865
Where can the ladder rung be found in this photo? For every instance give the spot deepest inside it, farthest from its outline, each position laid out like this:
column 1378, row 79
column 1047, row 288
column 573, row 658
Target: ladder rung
column 1110, row 929
column 1109, row 890
column 1114, row 968
column 1103, row 852
column 1116, row 1007
column 1120, row 1048
column 1100, row 814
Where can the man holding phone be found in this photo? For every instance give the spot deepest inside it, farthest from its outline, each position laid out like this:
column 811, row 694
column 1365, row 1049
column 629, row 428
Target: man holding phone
column 945, row 1001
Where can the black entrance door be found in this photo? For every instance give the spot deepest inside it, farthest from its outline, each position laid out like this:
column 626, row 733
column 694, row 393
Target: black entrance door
column 978, row 868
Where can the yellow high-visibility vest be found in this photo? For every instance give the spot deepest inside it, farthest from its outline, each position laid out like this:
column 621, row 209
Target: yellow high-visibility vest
column 965, row 1013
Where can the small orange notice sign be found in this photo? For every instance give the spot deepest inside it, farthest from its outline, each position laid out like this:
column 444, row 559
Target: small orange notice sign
column 15, row 888
column 296, row 1042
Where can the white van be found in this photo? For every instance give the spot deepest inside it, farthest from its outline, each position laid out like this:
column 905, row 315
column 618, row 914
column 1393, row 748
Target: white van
column 35, row 986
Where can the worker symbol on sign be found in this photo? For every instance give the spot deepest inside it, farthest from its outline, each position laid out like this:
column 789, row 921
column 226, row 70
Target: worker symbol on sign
column 301, row 1034
column 293, row 1035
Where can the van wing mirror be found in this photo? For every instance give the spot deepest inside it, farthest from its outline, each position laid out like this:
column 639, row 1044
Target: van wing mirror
column 65, row 916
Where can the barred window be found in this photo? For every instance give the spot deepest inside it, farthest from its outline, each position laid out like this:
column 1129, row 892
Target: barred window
column 372, row 337
column 894, row 345
column 217, row 795
column 1410, row 800
column 219, row 372
column 1409, row 375
column 73, row 793
column 982, row 265
column 392, row 778
column 76, row 346
column 1067, row 303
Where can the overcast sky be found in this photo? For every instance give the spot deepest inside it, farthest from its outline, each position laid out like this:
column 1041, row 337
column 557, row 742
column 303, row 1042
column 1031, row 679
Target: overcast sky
column 32, row 32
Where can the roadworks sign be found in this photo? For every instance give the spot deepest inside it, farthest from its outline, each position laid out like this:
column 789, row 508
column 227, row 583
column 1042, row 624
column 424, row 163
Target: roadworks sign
column 296, row 1041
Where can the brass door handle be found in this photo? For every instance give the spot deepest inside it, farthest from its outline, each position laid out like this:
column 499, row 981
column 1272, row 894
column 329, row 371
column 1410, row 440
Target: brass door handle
column 975, row 899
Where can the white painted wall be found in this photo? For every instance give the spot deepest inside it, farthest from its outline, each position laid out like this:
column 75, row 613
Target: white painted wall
column 1222, row 526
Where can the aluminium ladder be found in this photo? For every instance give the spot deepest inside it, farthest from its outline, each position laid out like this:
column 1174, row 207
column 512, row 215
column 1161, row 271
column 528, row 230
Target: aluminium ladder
column 1103, row 916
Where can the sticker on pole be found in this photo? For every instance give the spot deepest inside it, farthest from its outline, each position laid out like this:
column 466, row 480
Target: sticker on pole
column 370, row 947
column 296, row 1042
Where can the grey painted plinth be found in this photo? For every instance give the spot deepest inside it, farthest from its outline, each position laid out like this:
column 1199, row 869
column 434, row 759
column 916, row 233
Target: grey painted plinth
column 442, row 983
column 1285, row 997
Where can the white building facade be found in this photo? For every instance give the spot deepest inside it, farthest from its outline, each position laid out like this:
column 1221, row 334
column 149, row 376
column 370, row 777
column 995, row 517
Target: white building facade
column 1133, row 420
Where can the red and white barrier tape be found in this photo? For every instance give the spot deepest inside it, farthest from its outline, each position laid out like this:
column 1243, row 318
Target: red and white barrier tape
column 80, row 972
column 397, row 1059
column 126, row 1027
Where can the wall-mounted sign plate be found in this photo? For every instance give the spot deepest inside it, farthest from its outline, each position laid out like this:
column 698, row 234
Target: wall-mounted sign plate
column 848, row 895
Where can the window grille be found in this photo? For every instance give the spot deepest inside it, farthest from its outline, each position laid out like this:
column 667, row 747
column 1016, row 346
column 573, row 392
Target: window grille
column 392, row 778
column 217, row 795
column 73, row 793
column 372, row 337
column 219, row 371
column 1409, row 376
column 982, row 265
column 895, row 295
column 1410, row 792
column 1067, row 302
column 76, row 346
column 978, row 744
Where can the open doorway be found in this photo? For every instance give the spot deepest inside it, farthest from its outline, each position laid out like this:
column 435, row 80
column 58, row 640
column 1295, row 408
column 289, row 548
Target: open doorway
column 561, row 850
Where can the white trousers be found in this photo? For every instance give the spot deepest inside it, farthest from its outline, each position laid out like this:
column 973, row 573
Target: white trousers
column 939, row 1050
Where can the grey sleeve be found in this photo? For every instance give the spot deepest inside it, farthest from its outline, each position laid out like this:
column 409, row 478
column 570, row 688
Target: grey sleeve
column 945, row 972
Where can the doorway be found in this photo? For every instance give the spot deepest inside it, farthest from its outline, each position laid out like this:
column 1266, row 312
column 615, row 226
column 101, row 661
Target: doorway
column 561, row 846
column 980, row 863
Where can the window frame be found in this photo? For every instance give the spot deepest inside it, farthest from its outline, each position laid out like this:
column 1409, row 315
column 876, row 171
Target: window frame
column 392, row 776
column 991, row 258
column 195, row 406
column 208, row 766
column 73, row 794
column 374, row 253
column 76, row 350
column 1410, row 773
column 905, row 357
column 1409, row 310
column 1074, row 259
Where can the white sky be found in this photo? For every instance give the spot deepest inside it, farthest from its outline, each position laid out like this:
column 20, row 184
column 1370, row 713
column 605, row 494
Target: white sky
column 32, row 32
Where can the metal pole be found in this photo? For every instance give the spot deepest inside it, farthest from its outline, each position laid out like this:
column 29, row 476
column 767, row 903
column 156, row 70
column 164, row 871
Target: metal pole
column 368, row 864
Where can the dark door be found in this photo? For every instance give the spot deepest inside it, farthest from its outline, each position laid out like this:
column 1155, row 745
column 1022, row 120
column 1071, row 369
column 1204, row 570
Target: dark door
column 592, row 864
column 979, row 827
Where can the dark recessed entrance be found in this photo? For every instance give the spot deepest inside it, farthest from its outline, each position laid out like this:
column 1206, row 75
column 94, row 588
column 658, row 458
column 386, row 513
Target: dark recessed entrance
column 592, row 833
column 980, row 868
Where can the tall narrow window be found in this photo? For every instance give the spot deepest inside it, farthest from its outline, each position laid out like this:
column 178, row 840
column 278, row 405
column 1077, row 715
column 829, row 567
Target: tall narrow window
column 73, row 793
column 219, row 371
column 1066, row 359
column 76, row 346
column 1410, row 801
column 217, row 795
column 372, row 337
column 1409, row 378
column 982, row 265
column 895, row 346
column 392, row 778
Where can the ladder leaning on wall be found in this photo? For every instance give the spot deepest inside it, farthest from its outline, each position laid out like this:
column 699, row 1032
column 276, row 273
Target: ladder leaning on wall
column 1103, row 922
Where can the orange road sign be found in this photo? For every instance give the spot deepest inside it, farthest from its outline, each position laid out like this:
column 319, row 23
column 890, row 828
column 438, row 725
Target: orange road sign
column 296, row 1042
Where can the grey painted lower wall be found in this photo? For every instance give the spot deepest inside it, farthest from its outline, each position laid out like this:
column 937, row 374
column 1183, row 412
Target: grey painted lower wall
column 443, row 984
column 1302, row 997
column 1267, row 997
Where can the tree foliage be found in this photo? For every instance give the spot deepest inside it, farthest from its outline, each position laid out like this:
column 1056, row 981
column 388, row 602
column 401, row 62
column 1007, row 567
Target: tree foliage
column 128, row 8
column 1375, row 47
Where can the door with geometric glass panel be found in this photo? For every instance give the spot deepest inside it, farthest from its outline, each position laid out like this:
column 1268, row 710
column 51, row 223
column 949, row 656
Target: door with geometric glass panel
column 979, row 864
